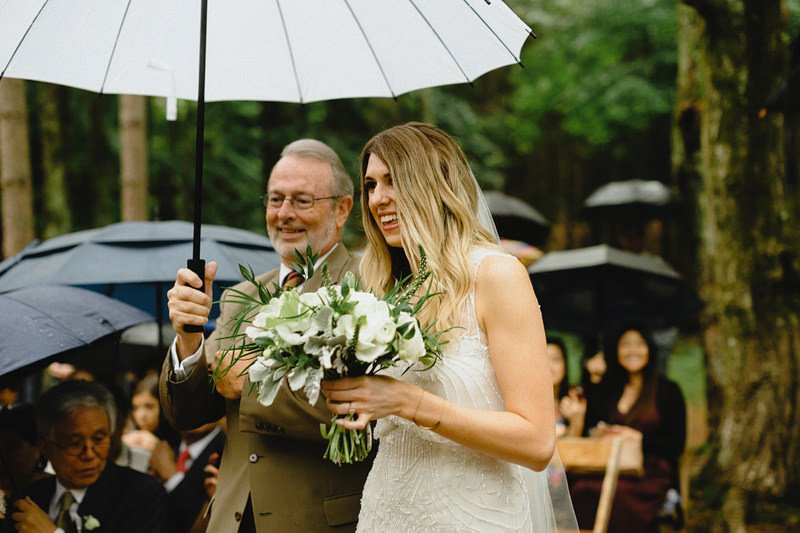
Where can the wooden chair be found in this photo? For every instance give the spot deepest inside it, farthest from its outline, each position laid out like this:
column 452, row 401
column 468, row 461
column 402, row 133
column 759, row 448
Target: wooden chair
column 611, row 456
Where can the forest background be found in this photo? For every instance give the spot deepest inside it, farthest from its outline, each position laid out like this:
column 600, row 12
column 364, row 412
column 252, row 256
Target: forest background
column 677, row 91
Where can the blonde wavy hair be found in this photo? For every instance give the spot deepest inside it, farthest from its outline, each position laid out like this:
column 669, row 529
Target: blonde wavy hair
column 437, row 202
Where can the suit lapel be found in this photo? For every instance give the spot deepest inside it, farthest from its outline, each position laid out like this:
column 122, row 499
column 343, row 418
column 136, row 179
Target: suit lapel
column 98, row 500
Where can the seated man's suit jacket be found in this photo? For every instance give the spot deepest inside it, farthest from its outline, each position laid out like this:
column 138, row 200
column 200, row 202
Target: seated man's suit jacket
column 272, row 454
column 122, row 500
column 186, row 500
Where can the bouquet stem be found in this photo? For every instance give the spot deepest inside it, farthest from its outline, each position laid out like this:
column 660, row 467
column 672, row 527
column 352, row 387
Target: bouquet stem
column 346, row 445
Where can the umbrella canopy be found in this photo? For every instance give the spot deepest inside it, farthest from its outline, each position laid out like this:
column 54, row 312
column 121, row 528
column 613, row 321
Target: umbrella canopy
column 517, row 220
column 135, row 262
column 44, row 321
column 296, row 51
column 589, row 290
column 647, row 197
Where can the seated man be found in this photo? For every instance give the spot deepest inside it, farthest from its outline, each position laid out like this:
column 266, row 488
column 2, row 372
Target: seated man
column 75, row 421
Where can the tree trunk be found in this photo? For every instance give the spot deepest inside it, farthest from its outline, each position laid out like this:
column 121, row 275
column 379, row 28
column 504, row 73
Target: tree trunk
column 731, row 56
column 133, row 157
column 15, row 174
column 57, row 217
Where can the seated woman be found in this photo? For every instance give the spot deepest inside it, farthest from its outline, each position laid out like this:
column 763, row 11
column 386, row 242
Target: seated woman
column 634, row 402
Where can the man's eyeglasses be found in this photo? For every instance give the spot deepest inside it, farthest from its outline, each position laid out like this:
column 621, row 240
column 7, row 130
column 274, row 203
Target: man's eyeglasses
column 298, row 201
column 99, row 443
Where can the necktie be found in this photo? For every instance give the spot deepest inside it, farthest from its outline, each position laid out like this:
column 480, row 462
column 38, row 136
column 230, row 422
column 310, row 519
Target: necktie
column 64, row 520
column 183, row 457
column 292, row 280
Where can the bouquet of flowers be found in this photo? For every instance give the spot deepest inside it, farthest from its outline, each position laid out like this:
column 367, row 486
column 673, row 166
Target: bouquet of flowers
column 334, row 332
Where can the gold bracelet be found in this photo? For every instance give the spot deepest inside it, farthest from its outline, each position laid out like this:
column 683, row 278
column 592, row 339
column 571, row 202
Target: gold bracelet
column 438, row 420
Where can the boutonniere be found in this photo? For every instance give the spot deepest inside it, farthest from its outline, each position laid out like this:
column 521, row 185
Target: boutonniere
column 90, row 523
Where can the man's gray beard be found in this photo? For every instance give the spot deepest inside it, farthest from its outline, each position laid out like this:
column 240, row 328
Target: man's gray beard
column 317, row 239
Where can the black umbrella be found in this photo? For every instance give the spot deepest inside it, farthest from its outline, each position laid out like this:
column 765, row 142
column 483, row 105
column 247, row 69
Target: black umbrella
column 517, row 220
column 135, row 262
column 45, row 321
column 596, row 288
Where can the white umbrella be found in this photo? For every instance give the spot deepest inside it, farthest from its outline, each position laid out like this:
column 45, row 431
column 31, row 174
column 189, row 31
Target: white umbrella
column 287, row 51
column 281, row 50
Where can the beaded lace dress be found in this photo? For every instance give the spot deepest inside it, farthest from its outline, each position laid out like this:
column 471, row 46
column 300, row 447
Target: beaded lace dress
column 421, row 481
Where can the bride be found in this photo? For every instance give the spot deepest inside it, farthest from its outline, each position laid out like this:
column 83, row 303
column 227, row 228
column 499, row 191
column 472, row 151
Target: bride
column 464, row 445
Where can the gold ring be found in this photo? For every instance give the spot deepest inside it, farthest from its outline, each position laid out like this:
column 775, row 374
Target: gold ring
column 350, row 409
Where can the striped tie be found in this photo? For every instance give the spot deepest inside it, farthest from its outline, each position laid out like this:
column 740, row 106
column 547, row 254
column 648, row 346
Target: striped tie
column 64, row 520
column 292, row 280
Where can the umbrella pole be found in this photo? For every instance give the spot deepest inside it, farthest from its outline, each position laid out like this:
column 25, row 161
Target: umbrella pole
column 197, row 265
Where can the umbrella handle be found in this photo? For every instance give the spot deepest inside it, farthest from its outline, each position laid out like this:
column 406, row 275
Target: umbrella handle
column 198, row 266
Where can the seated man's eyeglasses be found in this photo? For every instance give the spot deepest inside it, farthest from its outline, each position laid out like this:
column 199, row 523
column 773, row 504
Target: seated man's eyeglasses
column 298, row 201
column 99, row 443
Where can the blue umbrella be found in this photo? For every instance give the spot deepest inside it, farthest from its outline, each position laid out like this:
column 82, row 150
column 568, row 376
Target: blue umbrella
column 42, row 322
column 135, row 262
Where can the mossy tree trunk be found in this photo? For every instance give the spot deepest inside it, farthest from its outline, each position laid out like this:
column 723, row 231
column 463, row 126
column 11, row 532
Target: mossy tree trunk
column 733, row 53
column 56, row 210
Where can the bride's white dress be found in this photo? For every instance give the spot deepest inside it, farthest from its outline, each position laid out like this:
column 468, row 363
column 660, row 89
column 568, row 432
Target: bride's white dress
column 421, row 481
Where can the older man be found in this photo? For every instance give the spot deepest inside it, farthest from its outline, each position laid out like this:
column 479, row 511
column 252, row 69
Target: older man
column 75, row 421
column 272, row 476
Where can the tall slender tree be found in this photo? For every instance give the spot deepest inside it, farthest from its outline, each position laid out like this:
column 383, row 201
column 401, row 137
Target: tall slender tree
column 732, row 54
column 15, row 173
column 133, row 157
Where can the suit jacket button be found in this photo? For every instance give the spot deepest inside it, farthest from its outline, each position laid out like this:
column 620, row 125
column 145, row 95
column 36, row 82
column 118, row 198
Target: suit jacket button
column 238, row 516
column 253, row 458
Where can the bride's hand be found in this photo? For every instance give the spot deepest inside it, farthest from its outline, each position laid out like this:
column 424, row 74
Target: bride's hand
column 367, row 397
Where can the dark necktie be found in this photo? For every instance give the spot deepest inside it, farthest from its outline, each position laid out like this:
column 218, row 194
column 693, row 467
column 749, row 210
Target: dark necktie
column 292, row 280
column 64, row 520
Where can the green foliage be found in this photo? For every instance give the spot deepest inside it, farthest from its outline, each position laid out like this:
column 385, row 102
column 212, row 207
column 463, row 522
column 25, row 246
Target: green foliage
column 599, row 69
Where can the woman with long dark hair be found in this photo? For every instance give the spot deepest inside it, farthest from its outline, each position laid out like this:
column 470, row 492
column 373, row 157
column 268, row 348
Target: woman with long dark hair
column 635, row 403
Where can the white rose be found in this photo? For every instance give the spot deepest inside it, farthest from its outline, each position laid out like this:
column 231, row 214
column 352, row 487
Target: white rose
column 414, row 348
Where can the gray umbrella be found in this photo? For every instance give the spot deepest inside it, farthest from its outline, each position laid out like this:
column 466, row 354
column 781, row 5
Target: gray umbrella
column 516, row 219
column 136, row 262
column 41, row 322
column 596, row 288
column 631, row 196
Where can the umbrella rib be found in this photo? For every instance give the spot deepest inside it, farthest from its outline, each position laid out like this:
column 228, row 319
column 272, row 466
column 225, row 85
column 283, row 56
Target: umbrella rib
column 10, row 59
column 114, row 48
column 371, row 49
column 517, row 60
column 439, row 37
column 291, row 53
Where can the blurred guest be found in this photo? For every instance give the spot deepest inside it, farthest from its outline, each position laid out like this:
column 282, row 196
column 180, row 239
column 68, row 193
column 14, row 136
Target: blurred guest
column 557, row 355
column 573, row 405
column 635, row 403
column 75, row 420
column 184, row 477
column 20, row 453
column 149, row 424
